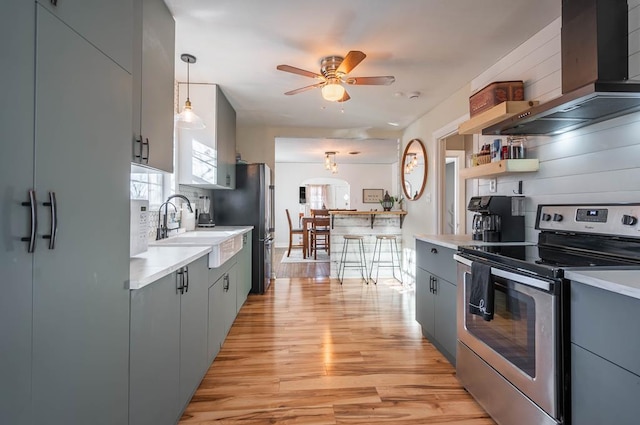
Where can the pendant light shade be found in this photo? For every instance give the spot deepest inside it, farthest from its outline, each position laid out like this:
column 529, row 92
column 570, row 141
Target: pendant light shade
column 188, row 119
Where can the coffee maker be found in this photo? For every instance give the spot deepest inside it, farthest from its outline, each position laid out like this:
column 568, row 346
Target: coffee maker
column 497, row 218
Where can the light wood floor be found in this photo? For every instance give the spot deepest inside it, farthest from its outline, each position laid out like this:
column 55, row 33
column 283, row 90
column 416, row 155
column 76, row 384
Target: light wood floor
column 311, row 351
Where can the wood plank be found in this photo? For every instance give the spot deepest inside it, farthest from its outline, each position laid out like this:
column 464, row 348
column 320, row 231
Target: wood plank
column 494, row 115
column 505, row 166
column 312, row 351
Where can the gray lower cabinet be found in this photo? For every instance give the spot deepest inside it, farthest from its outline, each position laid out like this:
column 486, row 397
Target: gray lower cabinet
column 605, row 357
column 244, row 271
column 168, row 344
column 436, row 296
column 222, row 305
column 155, row 353
column 64, row 306
column 193, row 330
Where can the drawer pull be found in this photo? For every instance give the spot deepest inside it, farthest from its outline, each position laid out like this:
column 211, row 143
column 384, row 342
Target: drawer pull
column 434, row 251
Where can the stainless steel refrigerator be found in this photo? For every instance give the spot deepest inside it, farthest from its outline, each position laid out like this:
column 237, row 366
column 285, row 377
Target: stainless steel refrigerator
column 250, row 204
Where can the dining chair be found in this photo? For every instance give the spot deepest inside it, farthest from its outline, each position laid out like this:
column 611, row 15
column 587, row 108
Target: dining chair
column 319, row 213
column 320, row 235
column 293, row 231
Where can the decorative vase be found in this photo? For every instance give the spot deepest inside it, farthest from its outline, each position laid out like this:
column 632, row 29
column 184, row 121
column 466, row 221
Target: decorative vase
column 387, row 201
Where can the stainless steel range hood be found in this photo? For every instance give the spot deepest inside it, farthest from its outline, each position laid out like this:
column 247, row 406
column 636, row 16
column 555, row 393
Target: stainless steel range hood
column 595, row 85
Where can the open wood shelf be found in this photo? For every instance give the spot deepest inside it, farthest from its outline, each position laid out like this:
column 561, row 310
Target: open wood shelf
column 503, row 167
column 494, row 115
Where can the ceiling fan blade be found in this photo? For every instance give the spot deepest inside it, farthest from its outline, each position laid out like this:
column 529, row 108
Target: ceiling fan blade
column 301, row 89
column 370, row 81
column 294, row 70
column 350, row 61
column 345, row 97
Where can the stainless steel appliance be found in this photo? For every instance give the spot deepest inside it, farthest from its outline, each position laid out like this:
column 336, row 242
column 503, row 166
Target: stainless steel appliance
column 517, row 365
column 497, row 218
column 250, row 204
column 595, row 72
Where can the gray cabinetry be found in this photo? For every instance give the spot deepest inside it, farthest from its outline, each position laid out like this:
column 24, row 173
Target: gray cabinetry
column 244, row 271
column 193, row 330
column 64, row 306
column 168, row 344
column 436, row 296
column 155, row 353
column 207, row 156
column 222, row 305
column 89, row 17
column 605, row 357
column 153, row 85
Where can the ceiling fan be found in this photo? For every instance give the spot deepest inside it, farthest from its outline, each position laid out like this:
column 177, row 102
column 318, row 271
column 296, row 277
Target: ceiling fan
column 333, row 72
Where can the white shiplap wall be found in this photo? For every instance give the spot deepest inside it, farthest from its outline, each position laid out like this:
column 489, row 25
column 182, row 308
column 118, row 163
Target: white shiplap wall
column 599, row 163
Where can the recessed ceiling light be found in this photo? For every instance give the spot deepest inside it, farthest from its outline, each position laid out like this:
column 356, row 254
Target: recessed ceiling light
column 394, row 124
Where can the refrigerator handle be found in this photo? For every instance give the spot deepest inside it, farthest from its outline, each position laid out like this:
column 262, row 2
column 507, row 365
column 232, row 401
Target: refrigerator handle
column 272, row 192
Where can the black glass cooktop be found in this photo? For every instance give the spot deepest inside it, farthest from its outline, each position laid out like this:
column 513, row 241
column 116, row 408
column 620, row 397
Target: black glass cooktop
column 557, row 252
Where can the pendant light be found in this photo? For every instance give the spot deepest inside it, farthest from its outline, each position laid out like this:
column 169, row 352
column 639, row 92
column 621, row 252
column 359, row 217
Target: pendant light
column 187, row 118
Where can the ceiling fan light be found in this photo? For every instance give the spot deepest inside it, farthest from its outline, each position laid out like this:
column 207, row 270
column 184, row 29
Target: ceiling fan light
column 333, row 92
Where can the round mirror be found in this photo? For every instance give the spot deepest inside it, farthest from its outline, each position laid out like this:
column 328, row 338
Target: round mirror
column 414, row 170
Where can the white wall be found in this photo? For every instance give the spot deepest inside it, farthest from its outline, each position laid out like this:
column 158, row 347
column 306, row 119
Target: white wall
column 290, row 176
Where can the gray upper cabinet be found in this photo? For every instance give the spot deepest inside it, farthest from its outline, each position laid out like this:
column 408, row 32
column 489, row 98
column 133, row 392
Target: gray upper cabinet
column 208, row 156
column 65, row 305
column 89, row 18
column 153, row 85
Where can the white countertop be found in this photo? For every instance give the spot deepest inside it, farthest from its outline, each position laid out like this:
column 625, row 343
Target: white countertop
column 621, row 281
column 454, row 241
column 161, row 260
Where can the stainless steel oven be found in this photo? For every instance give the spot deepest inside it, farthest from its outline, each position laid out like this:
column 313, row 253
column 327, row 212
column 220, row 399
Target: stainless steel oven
column 517, row 365
column 512, row 363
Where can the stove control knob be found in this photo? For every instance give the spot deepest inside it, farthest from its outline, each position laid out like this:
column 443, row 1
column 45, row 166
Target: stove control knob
column 546, row 217
column 629, row 220
column 557, row 217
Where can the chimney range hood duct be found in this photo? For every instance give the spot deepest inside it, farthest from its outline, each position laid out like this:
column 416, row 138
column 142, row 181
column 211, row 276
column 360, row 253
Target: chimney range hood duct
column 595, row 72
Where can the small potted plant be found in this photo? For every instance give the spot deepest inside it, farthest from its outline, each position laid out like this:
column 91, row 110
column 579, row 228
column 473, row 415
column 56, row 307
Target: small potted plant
column 399, row 200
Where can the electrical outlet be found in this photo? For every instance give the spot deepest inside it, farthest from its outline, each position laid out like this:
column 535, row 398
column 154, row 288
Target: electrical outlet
column 493, row 183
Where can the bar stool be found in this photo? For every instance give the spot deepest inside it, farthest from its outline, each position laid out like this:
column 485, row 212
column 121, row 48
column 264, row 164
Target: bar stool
column 360, row 263
column 393, row 251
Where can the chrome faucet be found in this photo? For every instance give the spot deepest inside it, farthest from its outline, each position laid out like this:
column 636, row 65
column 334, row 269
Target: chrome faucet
column 163, row 230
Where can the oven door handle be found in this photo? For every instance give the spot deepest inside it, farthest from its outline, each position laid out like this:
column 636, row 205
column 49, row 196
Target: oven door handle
column 525, row 280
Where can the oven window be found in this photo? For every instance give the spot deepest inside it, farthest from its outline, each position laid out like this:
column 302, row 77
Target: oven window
column 511, row 333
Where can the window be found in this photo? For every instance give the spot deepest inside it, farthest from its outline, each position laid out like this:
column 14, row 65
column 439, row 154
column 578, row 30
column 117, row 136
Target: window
column 317, row 196
column 147, row 186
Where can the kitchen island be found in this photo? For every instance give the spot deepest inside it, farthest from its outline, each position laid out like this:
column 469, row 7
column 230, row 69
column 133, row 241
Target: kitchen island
column 368, row 224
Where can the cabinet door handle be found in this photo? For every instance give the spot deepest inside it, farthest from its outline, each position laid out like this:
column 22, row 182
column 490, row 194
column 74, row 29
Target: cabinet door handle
column 186, row 276
column 54, row 2
column 180, row 281
column 137, row 145
column 226, row 283
column 431, row 284
column 145, row 159
column 434, row 251
column 435, row 285
column 32, row 204
column 53, row 207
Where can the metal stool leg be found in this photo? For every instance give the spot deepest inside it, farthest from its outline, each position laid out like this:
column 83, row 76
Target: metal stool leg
column 363, row 262
column 395, row 242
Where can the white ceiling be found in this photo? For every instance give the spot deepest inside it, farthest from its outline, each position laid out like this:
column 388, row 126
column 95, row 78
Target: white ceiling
column 433, row 47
